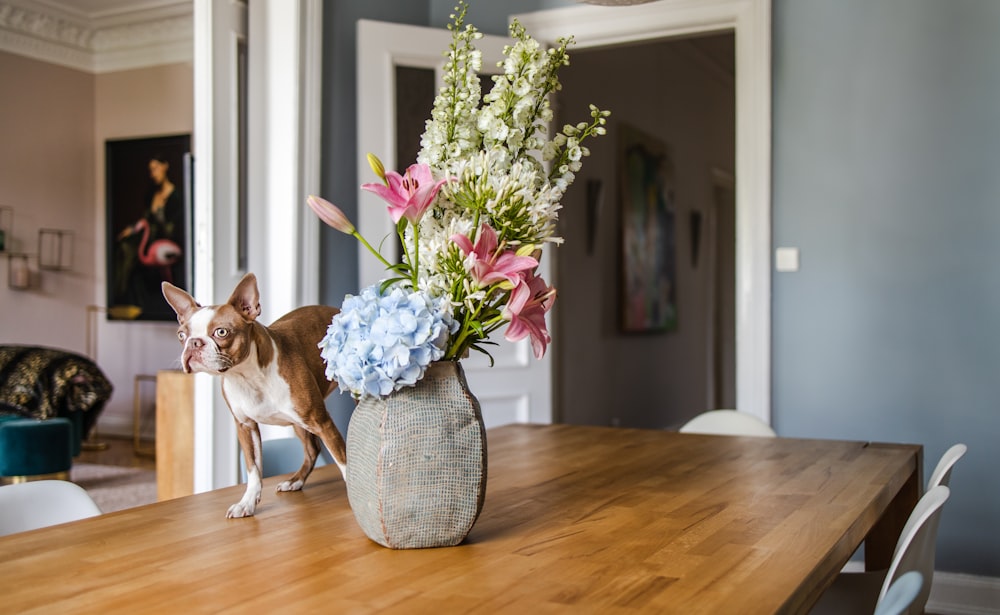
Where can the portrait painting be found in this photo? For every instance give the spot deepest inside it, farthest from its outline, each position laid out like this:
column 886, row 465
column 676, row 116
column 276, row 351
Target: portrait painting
column 648, row 227
column 148, row 224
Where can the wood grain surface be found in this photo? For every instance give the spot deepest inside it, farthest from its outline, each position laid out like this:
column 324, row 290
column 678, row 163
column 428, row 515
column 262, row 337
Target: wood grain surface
column 577, row 519
column 174, row 434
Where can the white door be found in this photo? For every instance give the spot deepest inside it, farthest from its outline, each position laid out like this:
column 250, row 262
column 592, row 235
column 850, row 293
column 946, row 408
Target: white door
column 518, row 388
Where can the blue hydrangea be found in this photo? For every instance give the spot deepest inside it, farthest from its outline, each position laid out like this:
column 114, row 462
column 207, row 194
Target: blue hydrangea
column 381, row 342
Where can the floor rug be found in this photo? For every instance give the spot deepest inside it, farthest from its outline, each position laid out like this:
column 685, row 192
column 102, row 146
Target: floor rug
column 114, row 488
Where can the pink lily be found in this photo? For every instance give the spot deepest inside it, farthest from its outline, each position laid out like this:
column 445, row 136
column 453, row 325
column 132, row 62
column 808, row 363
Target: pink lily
column 486, row 263
column 408, row 195
column 530, row 300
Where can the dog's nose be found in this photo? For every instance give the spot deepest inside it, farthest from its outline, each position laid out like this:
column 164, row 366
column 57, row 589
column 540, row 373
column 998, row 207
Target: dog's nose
column 197, row 342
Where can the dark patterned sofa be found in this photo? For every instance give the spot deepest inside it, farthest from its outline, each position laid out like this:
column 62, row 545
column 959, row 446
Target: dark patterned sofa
column 41, row 391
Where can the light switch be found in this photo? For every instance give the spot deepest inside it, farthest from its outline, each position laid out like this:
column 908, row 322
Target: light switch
column 786, row 259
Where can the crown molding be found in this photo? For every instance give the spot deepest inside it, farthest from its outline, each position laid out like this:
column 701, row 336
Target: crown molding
column 148, row 35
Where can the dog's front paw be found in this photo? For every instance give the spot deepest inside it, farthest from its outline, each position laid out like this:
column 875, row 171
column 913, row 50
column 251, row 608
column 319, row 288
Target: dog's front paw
column 240, row 510
column 248, row 504
column 290, row 485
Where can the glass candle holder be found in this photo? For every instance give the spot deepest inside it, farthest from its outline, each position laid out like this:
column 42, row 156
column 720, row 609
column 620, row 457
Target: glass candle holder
column 18, row 272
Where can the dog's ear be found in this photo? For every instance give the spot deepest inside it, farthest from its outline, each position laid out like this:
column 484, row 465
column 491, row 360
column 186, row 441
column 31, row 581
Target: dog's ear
column 246, row 297
column 178, row 299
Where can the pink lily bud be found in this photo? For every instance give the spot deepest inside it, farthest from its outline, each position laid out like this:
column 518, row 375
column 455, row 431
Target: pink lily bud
column 330, row 214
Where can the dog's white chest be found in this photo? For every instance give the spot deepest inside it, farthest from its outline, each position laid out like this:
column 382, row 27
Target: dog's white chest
column 260, row 395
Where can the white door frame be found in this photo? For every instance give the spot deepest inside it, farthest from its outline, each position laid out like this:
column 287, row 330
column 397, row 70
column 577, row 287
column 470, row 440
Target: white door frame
column 750, row 21
column 218, row 30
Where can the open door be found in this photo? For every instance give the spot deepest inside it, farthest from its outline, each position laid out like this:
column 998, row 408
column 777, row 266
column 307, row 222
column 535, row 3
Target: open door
column 518, row 388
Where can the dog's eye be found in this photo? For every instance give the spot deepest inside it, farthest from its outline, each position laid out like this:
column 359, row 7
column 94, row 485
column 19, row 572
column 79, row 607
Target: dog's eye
column 220, row 332
column 181, row 336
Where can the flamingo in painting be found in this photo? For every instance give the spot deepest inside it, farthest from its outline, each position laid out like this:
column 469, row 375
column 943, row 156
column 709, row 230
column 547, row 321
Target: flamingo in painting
column 161, row 253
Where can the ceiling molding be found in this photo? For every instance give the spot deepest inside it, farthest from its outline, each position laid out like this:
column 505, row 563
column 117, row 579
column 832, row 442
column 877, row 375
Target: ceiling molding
column 136, row 36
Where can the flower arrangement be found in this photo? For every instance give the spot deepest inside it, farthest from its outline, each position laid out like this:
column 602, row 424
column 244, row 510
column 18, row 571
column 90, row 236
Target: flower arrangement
column 473, row 214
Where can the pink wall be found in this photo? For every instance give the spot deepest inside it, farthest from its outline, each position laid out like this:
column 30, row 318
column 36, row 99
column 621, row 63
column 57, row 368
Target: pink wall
column 47, row 174
column 129, row 104
column 55, row 123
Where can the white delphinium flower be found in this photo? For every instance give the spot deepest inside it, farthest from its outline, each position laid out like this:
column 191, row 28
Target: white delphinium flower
column 451, row 132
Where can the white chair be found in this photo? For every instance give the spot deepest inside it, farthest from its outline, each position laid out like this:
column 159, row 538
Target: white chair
column 942, row 473
column 282, row 456
column 901, row 594
column 862, row 592
column 35, row 504
column 728, row 423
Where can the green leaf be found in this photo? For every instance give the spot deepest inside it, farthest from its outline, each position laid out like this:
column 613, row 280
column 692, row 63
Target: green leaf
column 483, row 350
column 387, row 283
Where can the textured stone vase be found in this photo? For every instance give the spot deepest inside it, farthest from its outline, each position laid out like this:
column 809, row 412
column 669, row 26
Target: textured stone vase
column 416, row 462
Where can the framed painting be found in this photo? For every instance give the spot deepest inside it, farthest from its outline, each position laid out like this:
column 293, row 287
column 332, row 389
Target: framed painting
column 149, row 230
column 648, row 233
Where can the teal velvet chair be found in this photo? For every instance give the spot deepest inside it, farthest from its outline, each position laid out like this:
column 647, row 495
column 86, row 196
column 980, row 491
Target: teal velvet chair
column 49, row 402
column 32, row 449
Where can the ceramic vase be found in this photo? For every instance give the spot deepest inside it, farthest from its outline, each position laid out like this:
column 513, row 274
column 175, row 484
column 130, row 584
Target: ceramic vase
column 416, row 462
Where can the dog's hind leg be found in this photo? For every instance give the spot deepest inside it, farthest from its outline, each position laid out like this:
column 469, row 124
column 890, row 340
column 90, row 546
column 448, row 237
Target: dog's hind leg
column 310, row 446
column 334, row 442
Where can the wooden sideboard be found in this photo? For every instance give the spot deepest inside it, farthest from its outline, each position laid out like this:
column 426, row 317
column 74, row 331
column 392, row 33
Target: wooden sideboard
column 174, row 434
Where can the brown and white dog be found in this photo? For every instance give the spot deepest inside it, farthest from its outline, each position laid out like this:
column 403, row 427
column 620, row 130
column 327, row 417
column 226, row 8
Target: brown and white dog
column 271, row 375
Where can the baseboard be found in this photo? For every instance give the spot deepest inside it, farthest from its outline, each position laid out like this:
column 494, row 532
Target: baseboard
column 114, row 426
column 964, row 594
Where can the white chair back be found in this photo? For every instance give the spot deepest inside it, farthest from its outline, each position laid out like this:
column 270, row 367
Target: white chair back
column 728, row 423
column 917, row 544
column 901, row 594
column 35, row 504
column 942, row 473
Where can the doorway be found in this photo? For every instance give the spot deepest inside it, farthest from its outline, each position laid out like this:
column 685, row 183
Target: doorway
column 749, row 21
column 652, row 376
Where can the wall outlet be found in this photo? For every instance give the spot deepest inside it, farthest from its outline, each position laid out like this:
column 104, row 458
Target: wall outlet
column 786, row 259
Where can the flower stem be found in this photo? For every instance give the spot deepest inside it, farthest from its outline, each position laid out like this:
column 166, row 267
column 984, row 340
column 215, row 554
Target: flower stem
column 416, row 254
column 365, row 243
column 457, row 348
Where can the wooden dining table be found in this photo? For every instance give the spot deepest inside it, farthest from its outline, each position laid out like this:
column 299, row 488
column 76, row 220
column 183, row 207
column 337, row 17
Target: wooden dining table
column 576, row 519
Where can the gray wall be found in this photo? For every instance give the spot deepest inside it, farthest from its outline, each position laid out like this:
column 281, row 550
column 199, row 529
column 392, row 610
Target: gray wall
column 887, row 177
column 886, row 152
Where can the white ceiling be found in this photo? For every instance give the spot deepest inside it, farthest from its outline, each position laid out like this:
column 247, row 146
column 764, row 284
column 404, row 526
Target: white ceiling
column 99, row 10
column 98, row 35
